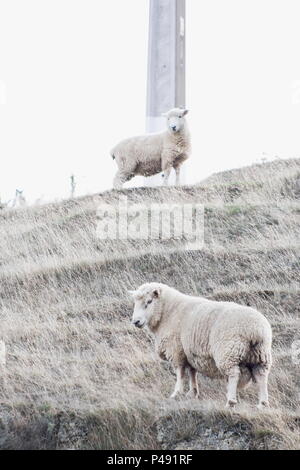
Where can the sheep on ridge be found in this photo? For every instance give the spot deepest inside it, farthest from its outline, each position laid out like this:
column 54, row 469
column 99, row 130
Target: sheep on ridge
column 149, row 154
column 218, row 339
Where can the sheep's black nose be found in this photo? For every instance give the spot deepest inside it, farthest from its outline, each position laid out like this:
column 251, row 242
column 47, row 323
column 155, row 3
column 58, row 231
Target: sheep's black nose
column 137, row 323
column 174, row 128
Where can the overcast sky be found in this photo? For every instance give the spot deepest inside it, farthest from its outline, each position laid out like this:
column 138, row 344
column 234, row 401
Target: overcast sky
column 73, row 83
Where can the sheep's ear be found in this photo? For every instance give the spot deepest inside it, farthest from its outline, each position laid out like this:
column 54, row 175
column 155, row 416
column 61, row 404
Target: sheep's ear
column 185, row 112
column 156, row 293
column 132, row 293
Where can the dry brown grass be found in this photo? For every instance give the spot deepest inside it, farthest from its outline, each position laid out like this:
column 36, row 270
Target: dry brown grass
column 79, row 375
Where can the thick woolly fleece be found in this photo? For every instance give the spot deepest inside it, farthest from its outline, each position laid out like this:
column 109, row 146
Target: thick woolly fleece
column 148, row 155
column 212, row 337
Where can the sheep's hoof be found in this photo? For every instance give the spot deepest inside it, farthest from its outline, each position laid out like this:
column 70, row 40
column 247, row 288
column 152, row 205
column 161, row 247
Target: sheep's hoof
column 231, row 404
column 176, row 395
column 192, row 394
column 263, row 405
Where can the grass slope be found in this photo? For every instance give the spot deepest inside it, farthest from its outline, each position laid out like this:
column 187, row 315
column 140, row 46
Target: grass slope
column 78, row 375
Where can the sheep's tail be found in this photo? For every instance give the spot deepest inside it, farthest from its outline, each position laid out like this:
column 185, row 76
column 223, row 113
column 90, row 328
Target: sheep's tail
column 260, row 353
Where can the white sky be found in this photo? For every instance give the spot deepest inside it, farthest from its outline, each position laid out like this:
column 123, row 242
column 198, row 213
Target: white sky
column 73, row 83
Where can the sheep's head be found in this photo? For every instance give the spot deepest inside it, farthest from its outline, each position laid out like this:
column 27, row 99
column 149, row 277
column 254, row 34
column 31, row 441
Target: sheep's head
column 146, row 305
column 176, row 119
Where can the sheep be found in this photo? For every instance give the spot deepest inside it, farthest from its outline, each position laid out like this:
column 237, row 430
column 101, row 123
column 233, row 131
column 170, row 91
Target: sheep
column 217, row 339
column 148, row 155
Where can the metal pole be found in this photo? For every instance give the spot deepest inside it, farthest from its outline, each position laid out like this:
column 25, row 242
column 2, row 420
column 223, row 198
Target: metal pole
column 166, row 65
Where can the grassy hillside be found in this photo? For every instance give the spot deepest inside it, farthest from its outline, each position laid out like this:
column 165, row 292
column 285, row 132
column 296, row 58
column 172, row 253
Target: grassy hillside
column 79, row 375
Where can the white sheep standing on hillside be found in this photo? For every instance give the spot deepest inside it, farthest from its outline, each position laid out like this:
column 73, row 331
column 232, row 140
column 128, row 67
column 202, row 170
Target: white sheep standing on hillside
column 218, row 339
column 149, row 154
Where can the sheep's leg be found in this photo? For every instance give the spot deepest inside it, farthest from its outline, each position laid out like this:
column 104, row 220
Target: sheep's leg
column 233, row 379
column 118, row 182
column 120, row 179
column 261, row 374
column 177, row 171
column 167, row 172
column 194, row 389
column 179, row 382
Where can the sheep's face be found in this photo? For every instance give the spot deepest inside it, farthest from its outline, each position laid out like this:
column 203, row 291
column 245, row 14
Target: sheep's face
column 146, row 301
column 176, row 119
